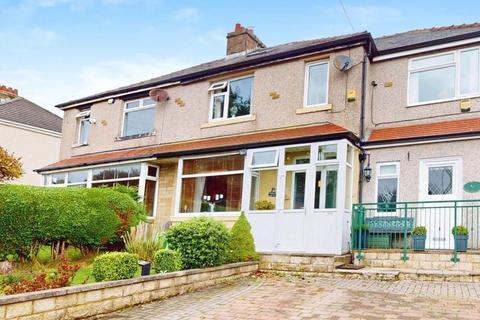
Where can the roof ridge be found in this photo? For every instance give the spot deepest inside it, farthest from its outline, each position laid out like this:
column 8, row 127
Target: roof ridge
column 436, row 28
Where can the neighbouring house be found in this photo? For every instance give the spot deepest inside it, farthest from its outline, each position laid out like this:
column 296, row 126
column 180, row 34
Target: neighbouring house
column 293, row 135
column 30, row 132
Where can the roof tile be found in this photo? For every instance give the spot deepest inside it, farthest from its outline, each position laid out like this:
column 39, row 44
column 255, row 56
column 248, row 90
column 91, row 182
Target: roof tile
column 204, row 145
column 426, row 130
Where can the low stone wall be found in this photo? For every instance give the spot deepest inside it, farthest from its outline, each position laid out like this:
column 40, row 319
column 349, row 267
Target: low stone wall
column 92, row 299
column 300, row 262
column 428, row 260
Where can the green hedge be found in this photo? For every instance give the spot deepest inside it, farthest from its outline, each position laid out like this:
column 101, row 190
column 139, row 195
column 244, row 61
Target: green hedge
column 86, row 218
column 167, row 261
column 115, row 266
column 202, row 242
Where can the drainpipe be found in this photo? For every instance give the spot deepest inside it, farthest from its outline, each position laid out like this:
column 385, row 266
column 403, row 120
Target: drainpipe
column 362, row 120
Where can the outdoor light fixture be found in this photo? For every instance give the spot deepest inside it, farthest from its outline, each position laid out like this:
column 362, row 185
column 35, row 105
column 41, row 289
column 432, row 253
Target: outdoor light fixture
column 367, row 171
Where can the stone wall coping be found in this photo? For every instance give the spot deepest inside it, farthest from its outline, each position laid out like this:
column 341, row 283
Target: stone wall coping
column 410, row 252
column 302, row 254
column 30, row 296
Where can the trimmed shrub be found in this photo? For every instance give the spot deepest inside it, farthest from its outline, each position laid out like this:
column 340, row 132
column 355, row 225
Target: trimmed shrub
column 115, row 266
column 167, row 260
column 85, row 218
column 202, row 242
column 461, row 231
column 241, row 246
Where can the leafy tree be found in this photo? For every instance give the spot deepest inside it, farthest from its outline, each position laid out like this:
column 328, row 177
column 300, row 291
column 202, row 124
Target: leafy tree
column 10, row 166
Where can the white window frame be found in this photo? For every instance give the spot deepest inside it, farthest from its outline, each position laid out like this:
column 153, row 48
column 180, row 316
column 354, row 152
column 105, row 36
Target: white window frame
column 457, row 181
column 83, row 117
column 142, row 177
column 306, row 83
column 181, row 176
column 220, row 86
column 140, row 108
column 388, row 176
column 265, row 165
column 456, row 63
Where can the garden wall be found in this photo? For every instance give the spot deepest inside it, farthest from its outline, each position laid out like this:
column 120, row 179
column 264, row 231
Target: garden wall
column 92, row 299
column 301, row 262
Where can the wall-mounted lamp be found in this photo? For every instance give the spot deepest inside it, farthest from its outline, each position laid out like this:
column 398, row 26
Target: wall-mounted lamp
column 272, row 193
column 367, row 170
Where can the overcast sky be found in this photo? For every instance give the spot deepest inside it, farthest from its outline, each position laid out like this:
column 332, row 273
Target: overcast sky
column 53, row 51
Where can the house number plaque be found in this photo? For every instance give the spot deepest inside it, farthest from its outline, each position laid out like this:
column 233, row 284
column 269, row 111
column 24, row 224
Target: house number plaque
column 472, row 187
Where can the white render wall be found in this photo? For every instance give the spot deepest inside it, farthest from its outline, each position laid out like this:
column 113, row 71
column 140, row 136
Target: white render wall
column 36, row 149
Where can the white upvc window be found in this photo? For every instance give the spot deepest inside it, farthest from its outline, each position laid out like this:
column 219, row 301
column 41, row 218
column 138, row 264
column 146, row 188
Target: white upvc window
column 444, row 77
column 139, row 175
column 387, row 186
column 316, row 84
column 231, row 99
column 138, row 117
column 84, row 124
column 264, row 158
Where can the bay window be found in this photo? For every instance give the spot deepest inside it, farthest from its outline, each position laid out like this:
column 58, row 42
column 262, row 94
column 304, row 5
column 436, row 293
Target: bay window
column 230, row 99
column 446, row 76
column 142, row 176
column 212, row 184
column 139, row 117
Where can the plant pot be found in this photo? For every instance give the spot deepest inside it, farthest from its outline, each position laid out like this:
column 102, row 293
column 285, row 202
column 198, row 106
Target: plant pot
column 364, row 239
column 419, row 242
column 461, row 242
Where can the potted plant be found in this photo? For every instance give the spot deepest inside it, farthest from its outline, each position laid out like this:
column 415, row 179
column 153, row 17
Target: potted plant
column 363, row 230
column 460, row 233
column 419, row 235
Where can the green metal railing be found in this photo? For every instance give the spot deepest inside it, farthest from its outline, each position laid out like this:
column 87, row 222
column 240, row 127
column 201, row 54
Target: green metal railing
column 392, row 226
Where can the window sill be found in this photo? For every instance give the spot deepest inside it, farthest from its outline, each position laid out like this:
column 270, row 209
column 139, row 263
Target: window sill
column 137, row 136
column 318, row 108
column 79, row 145
column 419, row 104
column 217, row 123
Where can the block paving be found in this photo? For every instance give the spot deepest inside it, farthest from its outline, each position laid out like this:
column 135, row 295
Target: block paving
column 270, row 296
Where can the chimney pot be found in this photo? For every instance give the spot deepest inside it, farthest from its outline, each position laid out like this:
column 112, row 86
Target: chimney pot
column 7, row 93
column 238, row 27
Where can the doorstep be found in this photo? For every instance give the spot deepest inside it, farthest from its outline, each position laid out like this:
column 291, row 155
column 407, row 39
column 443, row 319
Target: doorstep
column 391, row 274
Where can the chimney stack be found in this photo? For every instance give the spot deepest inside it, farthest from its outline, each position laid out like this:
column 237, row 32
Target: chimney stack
column 242, row 40
column 7, row 93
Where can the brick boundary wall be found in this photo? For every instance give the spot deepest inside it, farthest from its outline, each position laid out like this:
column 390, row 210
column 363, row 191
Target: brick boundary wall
column 302, row 262
column 89, row 300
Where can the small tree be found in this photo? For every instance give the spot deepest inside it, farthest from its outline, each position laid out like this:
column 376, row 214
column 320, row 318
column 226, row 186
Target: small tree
column 10, row 166
column 241, row 246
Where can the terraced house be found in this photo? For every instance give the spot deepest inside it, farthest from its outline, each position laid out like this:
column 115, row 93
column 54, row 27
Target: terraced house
column 295, row 135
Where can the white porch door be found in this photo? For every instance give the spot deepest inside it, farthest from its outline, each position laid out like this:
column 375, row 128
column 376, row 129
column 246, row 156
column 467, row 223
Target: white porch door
column 290, row 220
column 440, row 180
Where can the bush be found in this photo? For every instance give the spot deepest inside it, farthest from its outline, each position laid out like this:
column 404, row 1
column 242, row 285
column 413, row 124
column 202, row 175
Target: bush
column 419, row 231
column 202, row 242
column 61, row 278
column 241, row 246
column 167, row 261
column 461, row 231
column 10, row 166
column 85, row 218
column 115, row 266
column 144, row 247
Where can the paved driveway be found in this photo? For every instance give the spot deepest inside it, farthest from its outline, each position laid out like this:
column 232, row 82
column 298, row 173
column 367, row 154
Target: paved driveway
column 288, row 297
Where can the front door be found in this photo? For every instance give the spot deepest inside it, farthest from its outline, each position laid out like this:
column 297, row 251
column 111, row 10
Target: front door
column 440, row 180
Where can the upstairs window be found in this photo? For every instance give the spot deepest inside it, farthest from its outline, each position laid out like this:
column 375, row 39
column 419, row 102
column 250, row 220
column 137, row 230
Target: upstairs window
column 316, row 84
column 139, row 116
column 83, row 127
column 445, row 76
column 230, row 99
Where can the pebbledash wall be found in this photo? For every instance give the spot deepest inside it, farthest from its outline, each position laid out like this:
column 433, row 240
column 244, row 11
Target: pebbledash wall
column 84, row 301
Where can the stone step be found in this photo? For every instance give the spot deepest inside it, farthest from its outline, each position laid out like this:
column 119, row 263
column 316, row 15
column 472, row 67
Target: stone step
column 391, row 274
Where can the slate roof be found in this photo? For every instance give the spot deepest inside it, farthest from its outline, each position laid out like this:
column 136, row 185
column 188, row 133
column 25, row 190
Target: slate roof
column 448, row 129
column 253, row 58
column 23, row 111
column 234, row 142
column 422, row 36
